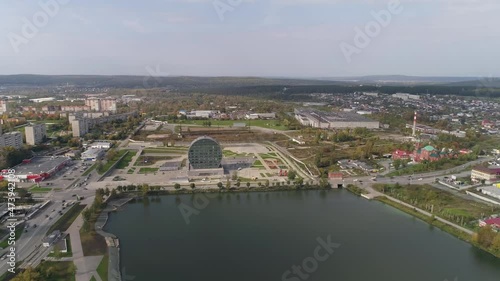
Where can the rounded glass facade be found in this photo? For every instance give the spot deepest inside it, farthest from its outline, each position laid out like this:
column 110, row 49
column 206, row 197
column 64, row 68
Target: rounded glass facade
column 205, row 153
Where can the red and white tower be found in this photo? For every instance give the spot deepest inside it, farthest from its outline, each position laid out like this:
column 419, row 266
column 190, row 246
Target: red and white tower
column 415, row 124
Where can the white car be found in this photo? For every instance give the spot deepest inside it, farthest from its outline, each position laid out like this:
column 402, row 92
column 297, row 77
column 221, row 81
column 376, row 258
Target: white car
column 420, row 179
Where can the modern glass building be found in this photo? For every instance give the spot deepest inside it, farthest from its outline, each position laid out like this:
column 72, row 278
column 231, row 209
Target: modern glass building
column 205, row 153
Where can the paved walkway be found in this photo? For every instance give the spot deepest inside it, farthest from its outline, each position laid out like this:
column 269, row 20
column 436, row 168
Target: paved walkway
column 85, row 266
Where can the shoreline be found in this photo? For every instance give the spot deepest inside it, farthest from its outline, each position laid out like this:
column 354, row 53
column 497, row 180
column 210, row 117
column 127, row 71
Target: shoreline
column 431, row 220
column 114, row 272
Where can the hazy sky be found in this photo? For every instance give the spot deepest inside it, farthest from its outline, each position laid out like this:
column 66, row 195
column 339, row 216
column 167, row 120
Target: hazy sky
column 250, row 37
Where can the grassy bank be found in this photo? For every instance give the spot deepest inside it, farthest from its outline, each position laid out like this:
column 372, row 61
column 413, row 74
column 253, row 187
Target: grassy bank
column 439, row 202
column 64, row 222
column 102, row 269
column 432, row 221
column 356, row 190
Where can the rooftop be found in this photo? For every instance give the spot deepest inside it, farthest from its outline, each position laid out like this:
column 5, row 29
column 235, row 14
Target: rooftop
column 37, row 165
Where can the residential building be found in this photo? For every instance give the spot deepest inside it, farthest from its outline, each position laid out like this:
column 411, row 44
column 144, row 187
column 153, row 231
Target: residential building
column 493, row 222
column 3, row 106
column 14, row 139
column 35, row 134
column 101, row 104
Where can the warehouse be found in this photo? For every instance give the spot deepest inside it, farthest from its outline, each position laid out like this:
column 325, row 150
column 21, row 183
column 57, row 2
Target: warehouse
column 334, row 120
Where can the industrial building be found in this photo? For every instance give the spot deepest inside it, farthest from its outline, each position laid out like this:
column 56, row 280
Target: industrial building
column 35, row 134
column 37, row 169
column 334, row 120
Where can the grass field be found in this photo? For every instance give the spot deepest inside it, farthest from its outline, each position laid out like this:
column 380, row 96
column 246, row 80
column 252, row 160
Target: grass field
column 150, row 160
column 270, row 155
column 102, row 269
column 89, row 170
column 147, row 170
column 69, row 253
column 93, row 244
column 443, row 204
column 5, row 243
column 65, row 221
column 40, row 189
column 173, row 150
column 111, row 162
column 271, row 124
column 57, row 270
column 122, row 164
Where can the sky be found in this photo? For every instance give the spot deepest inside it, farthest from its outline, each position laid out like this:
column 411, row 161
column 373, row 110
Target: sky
column 284, row 38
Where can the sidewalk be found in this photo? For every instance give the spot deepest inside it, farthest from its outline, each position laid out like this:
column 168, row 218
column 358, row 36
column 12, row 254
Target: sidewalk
column 85, row 266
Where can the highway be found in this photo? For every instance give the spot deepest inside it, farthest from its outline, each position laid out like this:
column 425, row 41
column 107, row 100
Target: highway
column 29, row 246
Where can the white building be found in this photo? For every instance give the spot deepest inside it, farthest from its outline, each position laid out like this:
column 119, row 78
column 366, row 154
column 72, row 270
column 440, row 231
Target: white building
column 35, row 134
column 92, row 154
column 101, row 145
column 3, row 106
column 406, row 96
column 42, row 99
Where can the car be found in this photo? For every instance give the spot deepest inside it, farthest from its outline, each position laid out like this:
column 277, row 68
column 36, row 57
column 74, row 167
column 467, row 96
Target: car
column 34, row 226
column 46, row 216
column 64, row 201
column 73, row 195
column 355, row 180
column 420, row 179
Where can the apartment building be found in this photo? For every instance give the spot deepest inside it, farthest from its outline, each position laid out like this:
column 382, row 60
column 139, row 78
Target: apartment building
column 35, row 134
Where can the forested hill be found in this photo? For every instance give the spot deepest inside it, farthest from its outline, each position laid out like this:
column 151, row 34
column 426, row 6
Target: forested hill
column 267, row 87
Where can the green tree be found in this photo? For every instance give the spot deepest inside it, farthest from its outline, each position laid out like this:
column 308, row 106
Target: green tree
column 220, row 185
column 192, row 185
column 292, row 175
column 228, row 184
column 238, row 183
column 29, row 274
column 248, row 184
column 177, row 186
column 266, row 184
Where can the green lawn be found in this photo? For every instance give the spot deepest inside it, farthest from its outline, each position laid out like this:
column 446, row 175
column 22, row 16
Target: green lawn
column 173, row 150
column 19, row 230
column 57, row 270
column 271, row 124
column 68, row 254
column 150, row 160
column 89, row 170
column 148, row 170
column 102, row 269
column 40, row 189
column 268, row 155
column 65, row 221
column 111, row 162
column 257, row 164
column 126, row 160
column 93, row 279
column 93, row 244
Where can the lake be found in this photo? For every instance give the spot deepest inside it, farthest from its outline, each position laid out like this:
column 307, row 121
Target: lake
column 288, row 235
